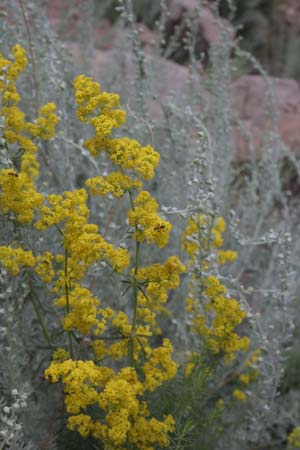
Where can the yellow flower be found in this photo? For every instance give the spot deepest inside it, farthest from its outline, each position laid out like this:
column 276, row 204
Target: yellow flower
column 116, row 184
column 159, row 367
column 83, row 310
column 19, row 195
column 15, row 258
column 44, row 267
column 239, row 395
column 44, row 126
column 19, row 64
column 149, row 225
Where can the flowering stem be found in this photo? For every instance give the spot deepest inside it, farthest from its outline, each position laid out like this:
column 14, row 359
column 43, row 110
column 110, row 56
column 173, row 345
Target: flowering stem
column 135, row 294
column 67, row 300
column 40, row 319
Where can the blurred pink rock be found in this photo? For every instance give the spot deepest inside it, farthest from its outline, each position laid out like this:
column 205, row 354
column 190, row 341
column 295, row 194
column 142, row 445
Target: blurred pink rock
column 251, row 96
column 252, row 102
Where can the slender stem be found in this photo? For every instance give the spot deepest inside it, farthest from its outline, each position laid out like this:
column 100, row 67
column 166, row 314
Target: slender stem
column 111, row 338
column 29, row 38
column 67, row 300
column 135, row 295
column 40, row 319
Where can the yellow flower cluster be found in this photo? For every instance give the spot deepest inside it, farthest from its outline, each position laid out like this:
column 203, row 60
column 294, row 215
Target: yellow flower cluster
column 222, row 315
column 16, row 128
column 294, row 437
column 159, row 278
column 89, row 97
column 116, row 184
column 204, row 234
column 126, row 418
column 159, row 367
column 129, row 154
column 18, row 193
column 13, row 259
column 44, row 126
column 215, row 315
column 44, row 268
column 100, row 110
column 82, row 240
column 12, row 69
column 149, row 226
column 122, row 339
column 82, row 305
column 103, row 105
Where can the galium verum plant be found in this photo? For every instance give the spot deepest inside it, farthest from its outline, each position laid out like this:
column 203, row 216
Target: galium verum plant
column 113, row 360
column 106, row 383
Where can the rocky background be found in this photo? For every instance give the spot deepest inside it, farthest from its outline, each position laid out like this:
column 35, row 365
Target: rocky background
column 268, row 29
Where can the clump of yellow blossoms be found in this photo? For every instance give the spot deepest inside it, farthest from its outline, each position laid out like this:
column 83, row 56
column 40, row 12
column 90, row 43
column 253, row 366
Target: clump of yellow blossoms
column 18, row 192
column 126, row 365
column 15, row 258
column 214, row 315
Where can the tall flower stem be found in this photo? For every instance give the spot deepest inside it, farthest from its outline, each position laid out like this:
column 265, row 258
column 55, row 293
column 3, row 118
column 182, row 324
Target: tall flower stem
column 68, row 301
column 135, row 295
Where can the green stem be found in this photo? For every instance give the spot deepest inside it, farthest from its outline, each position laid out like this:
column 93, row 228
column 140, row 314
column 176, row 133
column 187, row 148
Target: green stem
column 67, row 300
column 135, row 295
column 39, row 317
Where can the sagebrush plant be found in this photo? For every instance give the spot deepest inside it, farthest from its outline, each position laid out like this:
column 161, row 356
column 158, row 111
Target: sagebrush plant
column 194, row 133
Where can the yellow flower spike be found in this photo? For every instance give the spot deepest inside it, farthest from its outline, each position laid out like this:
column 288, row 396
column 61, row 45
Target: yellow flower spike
column 215, row 316
column 20, row 62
